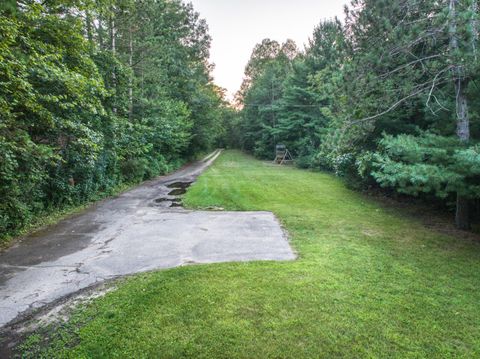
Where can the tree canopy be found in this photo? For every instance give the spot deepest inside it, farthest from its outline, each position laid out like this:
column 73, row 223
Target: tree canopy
column 385, row 98
column 95, row 94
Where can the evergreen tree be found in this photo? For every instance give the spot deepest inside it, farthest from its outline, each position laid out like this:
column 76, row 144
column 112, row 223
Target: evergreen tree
column 386, row 99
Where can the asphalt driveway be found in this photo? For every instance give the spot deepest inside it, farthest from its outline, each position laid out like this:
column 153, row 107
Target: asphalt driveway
column 141, row 230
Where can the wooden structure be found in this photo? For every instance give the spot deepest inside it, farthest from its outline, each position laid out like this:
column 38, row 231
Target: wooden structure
column 282, row 155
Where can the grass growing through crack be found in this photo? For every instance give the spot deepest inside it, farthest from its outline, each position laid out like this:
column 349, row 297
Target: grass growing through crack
column 368, row 283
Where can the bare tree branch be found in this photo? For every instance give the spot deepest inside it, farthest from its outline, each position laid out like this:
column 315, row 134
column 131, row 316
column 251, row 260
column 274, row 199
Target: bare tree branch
column 411, row 63
column 394, row 106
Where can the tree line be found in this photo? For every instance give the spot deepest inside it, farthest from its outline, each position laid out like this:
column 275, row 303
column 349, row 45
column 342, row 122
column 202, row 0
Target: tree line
column 388, row 97
column 95, row 94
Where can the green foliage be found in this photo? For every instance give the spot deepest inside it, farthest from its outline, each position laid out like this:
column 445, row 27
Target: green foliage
column 94, row 95
column 283, row 101
column 261, row 92
column 428, row 164
column 388, row 70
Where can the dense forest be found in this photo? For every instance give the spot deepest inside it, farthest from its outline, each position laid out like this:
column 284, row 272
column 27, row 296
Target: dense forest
column 98, row 94
column 387, row 98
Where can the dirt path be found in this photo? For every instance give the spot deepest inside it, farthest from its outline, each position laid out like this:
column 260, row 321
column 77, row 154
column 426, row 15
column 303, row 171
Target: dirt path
column 141, row 230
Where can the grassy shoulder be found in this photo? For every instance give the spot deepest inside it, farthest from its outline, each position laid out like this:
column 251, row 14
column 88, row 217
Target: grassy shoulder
column 368, row 283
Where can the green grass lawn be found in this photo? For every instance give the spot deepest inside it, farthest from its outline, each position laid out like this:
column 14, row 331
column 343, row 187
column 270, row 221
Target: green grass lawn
column 368, row 282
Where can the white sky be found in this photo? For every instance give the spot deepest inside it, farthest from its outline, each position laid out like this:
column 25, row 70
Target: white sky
column 236, row 26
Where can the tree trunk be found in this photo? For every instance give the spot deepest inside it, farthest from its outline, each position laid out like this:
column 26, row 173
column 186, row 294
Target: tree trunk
column 88, row 23
column 113, row 38
column 462, row 217
column 100, row 33
column 463, row 123
column 130, row 80
column 113, row 48
column 474, row 27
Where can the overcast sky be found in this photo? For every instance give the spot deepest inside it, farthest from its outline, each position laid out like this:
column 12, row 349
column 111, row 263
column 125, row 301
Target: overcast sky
column 237, row 25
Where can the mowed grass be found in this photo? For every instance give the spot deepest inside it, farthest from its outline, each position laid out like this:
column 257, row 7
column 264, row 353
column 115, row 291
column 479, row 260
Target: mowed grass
column 368, row 282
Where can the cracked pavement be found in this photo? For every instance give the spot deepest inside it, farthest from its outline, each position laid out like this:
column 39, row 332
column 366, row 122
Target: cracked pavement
column 141, row 230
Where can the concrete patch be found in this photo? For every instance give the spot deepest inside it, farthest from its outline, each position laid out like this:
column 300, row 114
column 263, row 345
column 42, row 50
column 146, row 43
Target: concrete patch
column 139, row 231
